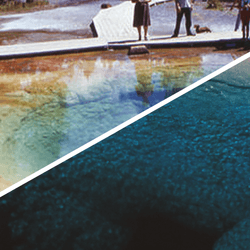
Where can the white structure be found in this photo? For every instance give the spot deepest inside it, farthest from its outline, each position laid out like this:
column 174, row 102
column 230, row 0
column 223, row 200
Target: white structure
column 116, row 23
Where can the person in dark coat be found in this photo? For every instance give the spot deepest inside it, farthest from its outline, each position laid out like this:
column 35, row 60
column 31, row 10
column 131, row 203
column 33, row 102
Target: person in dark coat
column 237, row 4
column 142, row 17
column 245, row 16
column 183, row 7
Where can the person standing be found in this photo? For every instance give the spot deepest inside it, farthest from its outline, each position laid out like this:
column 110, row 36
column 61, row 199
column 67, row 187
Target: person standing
column 237, row 4
column 183, row 7
column 245, row 16
column 142, row 17
column 23, row 3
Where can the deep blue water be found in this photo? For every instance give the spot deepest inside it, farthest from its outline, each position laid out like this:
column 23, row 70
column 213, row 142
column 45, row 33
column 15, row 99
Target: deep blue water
column 178, row 178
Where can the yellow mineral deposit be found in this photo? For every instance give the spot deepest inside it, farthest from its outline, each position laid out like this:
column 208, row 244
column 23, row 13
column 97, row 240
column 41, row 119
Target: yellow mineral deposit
column 170, row 70
column 4, row 184
column 23, row 88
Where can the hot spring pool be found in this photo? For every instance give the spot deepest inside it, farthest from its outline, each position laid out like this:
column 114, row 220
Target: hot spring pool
column 175, row 179
column 55, row 104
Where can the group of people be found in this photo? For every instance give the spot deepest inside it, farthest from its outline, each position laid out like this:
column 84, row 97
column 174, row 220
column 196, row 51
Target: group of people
column 185, row 7
column 142, row 16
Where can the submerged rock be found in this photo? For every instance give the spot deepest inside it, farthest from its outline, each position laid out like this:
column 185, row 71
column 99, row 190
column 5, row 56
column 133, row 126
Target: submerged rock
column 140, row 49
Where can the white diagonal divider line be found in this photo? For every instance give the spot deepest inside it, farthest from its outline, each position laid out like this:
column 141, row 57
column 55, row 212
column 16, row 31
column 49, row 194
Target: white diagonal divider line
column 125, row 124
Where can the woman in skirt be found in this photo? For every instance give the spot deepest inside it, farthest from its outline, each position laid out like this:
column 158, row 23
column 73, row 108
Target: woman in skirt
column 142, row 17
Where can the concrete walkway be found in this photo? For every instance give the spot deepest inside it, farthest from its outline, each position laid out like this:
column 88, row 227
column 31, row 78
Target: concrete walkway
column 54, row 47
column 79, row 45
column 204, row 39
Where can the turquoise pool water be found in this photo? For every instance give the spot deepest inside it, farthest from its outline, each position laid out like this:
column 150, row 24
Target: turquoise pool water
column 176, row 179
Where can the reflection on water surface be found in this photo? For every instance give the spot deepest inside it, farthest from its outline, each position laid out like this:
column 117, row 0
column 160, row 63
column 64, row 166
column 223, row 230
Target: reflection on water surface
column 50, row 106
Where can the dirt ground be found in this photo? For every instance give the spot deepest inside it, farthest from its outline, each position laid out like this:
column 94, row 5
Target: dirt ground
column 20, row 37
column 162, row 21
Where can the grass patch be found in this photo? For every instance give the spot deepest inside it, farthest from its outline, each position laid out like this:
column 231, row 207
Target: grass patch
column 18, row 7
column 214, row 4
